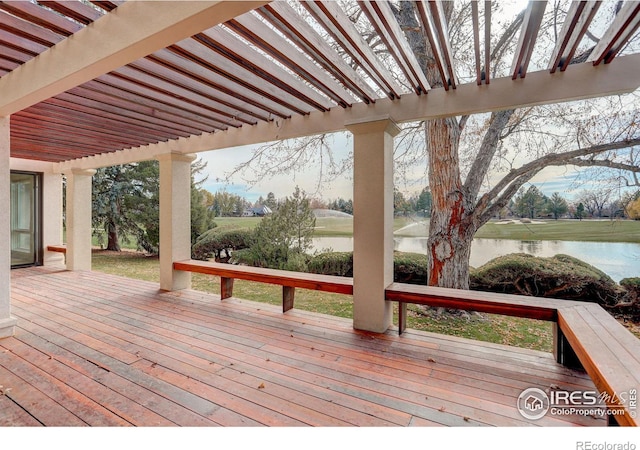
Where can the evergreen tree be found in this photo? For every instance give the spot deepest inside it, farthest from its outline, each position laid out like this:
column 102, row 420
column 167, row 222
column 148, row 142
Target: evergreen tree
column 126, row 201
column 423, row 204
column 580, row 211
column 557, row 205
column 529, row 203
column 282, row 238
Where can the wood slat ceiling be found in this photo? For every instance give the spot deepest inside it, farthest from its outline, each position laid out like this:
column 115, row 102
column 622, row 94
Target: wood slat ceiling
column 278, row 61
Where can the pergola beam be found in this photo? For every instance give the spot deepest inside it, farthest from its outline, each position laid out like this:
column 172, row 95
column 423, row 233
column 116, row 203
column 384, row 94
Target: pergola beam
column 621, row 30
column 475, row 18
column 381, row 17
column 574, row 28
column 581, row 81
column 528, row 35
column 131, row 35
column 487, row 41
column 284, row 18
column 434, row 23
column 336, row 22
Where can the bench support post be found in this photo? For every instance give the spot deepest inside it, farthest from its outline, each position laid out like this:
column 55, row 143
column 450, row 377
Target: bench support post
column 562, row 350
column 402, row 317
column 226, row 288
column 288, row 293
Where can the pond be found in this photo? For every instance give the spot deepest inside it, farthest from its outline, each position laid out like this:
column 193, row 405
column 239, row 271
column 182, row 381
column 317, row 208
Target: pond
column 617, row 259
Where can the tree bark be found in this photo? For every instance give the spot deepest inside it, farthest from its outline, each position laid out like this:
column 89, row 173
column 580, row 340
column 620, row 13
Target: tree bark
column 451, row 226
column 113, row 243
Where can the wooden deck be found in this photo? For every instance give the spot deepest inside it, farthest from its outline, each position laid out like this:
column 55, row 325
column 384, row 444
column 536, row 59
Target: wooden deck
column 94, row 349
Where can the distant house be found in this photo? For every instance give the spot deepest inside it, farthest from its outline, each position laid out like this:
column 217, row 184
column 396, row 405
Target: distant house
column 258, row 211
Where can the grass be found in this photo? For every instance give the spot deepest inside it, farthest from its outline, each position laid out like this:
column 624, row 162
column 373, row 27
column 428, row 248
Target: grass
column 566, row 230
column 556, row 230
column 491, row 328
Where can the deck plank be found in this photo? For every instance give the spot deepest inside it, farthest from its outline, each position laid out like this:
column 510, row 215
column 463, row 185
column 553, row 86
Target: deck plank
column 12, row 414
column 39, row 405
column 92, row 412
column 121, row 352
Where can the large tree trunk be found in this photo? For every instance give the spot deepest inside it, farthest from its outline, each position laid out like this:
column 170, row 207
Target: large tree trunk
column 450, row 230
column 113, row 243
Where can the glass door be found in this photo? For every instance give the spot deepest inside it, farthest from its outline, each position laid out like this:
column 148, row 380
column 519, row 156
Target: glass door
column 25, row 219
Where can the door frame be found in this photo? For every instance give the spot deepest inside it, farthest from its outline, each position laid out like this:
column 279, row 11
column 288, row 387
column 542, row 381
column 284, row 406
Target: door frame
column 38, row 220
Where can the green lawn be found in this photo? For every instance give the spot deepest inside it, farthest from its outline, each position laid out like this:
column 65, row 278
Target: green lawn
column 566, row 230
column 557, row 230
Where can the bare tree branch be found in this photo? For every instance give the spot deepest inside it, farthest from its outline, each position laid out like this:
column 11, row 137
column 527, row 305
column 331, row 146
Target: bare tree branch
column 554, row 159
column 603, row 163
column 487, row 150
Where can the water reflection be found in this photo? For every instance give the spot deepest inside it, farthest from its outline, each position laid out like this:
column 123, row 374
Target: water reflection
column 617, row 259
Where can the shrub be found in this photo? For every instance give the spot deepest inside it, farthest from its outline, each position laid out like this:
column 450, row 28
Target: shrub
column 630, row 308
column 219, row 243
column 561, row 276
column 408, row 267
column 332, row 263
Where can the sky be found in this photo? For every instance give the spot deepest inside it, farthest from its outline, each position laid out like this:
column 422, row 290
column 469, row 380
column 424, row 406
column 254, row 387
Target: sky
column 221, row 162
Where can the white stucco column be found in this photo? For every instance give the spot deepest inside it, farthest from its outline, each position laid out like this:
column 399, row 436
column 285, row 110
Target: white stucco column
column 372, row 222
column 175, row 219
column 52, row 217
column 7, row 323
column 79, row 219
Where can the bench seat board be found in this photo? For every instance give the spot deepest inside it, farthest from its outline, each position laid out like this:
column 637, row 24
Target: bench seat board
column 488, row 302
column 611, row 363
column 327, row 283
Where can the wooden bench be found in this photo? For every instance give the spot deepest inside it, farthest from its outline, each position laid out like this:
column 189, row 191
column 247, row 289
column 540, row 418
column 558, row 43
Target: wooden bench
column 57, row 248
column 609, row 353
column 585, row 334
column 288, row 280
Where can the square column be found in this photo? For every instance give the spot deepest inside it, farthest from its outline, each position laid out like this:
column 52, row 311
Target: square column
column 79, row 206
column 372, row 222
column 52, row 217
column 7, row 323
column 175, row 219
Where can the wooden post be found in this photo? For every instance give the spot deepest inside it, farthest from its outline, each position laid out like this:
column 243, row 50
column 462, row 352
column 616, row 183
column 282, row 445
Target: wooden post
column 226, row 288
column 562, row 350
column 288, row 293
column 402, row 317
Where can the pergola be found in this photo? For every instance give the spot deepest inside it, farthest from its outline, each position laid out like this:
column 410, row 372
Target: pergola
column 88, row 85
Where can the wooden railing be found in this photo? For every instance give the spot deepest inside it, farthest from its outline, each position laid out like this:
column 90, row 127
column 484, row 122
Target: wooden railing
column 585, row 334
